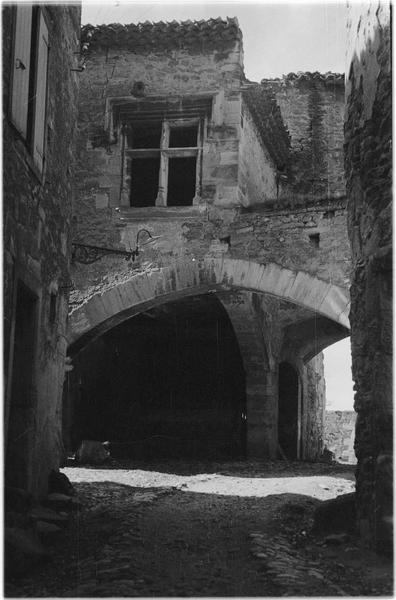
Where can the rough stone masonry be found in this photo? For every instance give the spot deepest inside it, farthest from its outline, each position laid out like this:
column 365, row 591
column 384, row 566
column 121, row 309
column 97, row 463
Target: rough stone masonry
column 368, row 164
column 37, row 204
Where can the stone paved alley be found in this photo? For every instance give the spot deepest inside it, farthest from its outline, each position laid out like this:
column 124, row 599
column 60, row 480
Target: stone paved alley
column 199, row 529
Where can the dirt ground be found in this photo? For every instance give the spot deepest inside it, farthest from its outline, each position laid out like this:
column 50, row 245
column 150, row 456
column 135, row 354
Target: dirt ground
column 196, row 529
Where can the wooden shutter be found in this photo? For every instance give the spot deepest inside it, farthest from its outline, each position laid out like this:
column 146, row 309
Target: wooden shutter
column 21, row 67
column 40, row 97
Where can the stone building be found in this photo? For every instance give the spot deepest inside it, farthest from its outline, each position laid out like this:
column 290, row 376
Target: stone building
column 39, row 104
column 368, row 161
column 210, row 258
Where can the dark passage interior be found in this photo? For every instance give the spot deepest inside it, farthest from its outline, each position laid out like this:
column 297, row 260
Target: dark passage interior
column 288, row 410
column 166, row 383
column 20, row 425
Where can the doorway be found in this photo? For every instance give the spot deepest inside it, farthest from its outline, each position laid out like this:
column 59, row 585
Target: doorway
column 21, row 417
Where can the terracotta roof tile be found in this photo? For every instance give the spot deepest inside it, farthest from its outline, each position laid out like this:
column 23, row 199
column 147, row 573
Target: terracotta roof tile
column 303, row 77
column 196, row 35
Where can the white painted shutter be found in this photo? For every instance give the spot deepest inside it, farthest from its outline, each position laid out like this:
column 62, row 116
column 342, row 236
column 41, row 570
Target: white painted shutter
column 21, row 67
column 40, row 93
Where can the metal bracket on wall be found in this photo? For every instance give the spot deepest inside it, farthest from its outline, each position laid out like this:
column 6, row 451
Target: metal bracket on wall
column 87, row 254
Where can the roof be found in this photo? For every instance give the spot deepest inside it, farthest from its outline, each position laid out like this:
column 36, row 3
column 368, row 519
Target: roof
column 194, row 35
column 305, row 77
column 268, row 119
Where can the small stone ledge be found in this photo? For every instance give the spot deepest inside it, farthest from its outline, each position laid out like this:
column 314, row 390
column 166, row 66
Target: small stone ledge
column 166, row 213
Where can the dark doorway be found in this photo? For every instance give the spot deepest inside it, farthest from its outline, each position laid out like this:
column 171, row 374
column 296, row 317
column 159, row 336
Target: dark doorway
column 21, row 416
column 166, row 383
column 288, row 416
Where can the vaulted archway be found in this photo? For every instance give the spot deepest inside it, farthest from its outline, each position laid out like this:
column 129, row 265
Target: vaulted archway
column 236, row 283
column 98, row 309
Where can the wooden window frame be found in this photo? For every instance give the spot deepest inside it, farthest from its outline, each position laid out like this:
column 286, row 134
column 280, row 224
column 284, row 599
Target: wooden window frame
column 165, row 152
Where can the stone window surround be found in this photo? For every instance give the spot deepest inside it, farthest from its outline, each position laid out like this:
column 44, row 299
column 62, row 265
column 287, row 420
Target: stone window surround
column 113, row 126
column 166, row 152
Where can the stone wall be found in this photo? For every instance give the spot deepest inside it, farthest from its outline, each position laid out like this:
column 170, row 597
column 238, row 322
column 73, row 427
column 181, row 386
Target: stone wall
column 368, row 161
column 311, row 240
column 257, row 172
column 37, row 220
column 312, row 106
column 238, row 173
column 339, row 434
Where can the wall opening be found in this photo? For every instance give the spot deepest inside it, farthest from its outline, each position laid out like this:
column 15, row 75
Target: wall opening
column 182, row 181
column 183, row 137
column 21, row 415
column 144, row 181
column 314, row 239
column 144, row 135
column 288, row 411
column 168, row 383
column 340, row 417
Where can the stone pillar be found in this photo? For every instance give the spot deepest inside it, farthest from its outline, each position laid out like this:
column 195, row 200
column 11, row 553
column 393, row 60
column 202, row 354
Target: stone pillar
column 313, row 409
column 368, row 162
column 261, row 379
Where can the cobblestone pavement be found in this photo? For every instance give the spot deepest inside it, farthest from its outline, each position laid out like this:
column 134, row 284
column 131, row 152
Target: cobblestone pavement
column 190, row 529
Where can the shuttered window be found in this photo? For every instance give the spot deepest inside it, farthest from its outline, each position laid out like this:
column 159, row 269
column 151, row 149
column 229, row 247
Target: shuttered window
column 40, row 93
column 21, row 68
column 29, row 79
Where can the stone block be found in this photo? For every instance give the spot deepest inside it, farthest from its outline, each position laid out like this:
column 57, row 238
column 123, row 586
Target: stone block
column 101, row 201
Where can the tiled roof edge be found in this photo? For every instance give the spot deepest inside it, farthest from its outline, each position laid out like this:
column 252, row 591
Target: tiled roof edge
column 217, row 32
column 301, row 77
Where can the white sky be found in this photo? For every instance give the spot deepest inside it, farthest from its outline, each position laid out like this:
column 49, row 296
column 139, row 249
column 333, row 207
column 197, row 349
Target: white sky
column 277, row 38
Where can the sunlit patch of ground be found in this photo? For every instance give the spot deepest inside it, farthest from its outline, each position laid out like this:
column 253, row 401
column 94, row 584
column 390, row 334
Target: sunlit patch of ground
column 322, row 487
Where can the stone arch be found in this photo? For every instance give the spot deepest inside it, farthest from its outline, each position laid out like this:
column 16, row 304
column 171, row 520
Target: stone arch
column 123, row 296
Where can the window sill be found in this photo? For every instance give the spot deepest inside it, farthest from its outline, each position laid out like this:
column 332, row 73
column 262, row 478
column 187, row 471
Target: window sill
column 146, row 213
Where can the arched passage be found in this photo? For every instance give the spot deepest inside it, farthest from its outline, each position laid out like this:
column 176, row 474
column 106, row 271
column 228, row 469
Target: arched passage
column 289, row 417
column 97, row 310
column 167, row 383
column 119, row 299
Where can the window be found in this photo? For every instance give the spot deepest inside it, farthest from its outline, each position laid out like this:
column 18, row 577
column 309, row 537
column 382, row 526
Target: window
column 29, row 78
column 163, row 162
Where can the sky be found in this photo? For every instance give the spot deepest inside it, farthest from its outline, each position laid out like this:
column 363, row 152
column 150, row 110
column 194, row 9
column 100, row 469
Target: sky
column 277, row 38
